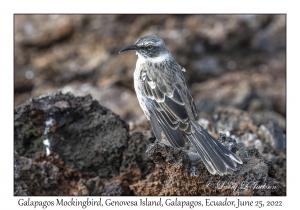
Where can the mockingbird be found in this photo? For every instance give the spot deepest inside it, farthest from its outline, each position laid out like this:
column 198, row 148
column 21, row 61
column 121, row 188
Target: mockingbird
column 167, row 103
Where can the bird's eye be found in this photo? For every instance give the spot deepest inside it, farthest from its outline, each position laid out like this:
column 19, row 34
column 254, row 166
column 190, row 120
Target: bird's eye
column 150, row 47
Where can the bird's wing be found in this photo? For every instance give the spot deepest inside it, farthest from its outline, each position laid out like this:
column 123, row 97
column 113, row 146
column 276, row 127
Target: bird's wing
column 173, row 112
column 166, row 88
column 187, row 93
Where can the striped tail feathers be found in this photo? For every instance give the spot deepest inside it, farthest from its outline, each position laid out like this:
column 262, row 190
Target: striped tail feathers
column 216, row 157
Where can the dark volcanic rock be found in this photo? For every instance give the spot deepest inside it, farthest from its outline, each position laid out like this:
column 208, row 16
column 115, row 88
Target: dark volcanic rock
column 44, row 175
column 93, row 154
column 91, row 187
column 113, row 189
column 28, row 176
column 91, row 151
column 179, row 174
column 135, row 154
column 86, row 136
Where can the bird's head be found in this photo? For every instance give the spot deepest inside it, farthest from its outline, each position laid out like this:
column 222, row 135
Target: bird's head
column 148, row 47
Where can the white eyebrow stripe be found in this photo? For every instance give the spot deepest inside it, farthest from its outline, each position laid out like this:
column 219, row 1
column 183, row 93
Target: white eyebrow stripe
column 145, row 43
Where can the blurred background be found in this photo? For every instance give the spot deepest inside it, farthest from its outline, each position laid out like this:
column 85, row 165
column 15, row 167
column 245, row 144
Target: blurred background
column 230, row 60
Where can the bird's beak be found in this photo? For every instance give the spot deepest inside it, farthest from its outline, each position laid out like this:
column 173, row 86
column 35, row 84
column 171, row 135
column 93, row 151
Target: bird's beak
column 131, row 47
